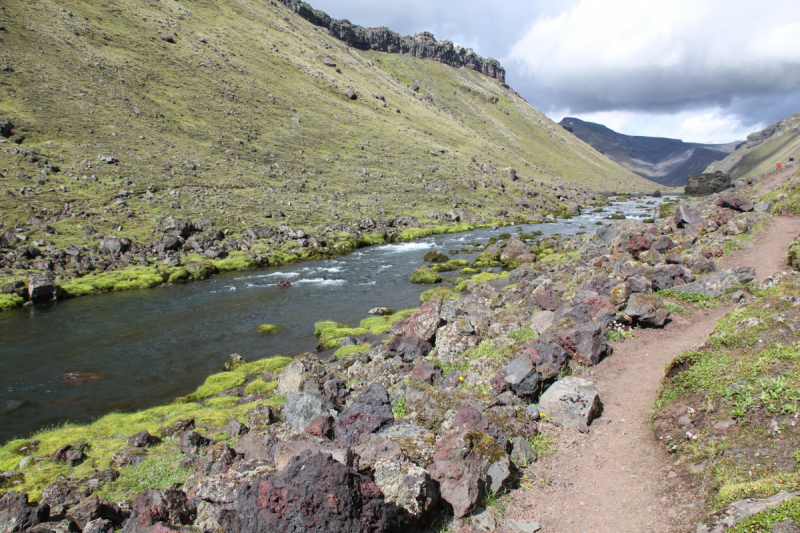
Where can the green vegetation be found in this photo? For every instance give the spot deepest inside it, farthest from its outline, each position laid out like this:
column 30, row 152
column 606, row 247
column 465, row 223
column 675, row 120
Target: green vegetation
column 445, row 292
column 157, row 472
column 259, row 386
column 764, row 522
column 425, row 275
column 267, row 328
column 217, row 383
column 699, row 300
column 349, row 350
column 9, row 301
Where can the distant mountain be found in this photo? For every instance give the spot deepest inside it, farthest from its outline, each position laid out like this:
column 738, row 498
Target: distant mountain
column 665, row 161
column 763, row 149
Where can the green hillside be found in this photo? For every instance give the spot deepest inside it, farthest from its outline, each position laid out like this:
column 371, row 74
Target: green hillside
column 246, row 115
column 763, row 150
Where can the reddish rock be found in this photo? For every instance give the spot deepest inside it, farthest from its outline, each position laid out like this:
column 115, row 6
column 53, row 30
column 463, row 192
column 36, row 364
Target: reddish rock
column 321, row 426
column 547, row 300
column 313, row 494
column 586, row 344
column 425, row 322
column 469, row 416
column 370, row 412
column 724, row 216
column 428, row 372
column 735, row 202
column 662, row 244
column 548, row 357
column 638, row 244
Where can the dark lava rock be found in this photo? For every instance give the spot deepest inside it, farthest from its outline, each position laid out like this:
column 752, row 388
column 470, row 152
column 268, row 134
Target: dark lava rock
column 166, row 37
column 662, row 244
column 424, row 322
column 321, row 426
column 548, row 357
column 116, row 245
column 143, row 439
column 93, row 508
column 335, row 390
column 178, row 427
column 313, row 494
column 647, row 310
column 75, row 458
column 409, row 347
column 469, row 416
column 428, row 372
column 735, row 202
column 17, row 515
column 371, row 412
column 638, row 284
column 699, row 184
column 42, row 288
column 519, row 376
column 669, row 277
column 155, row 506
column 191, row 442
column 585, row 343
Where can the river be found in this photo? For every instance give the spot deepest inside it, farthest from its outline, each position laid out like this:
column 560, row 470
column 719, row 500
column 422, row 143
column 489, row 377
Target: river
column 146, row 347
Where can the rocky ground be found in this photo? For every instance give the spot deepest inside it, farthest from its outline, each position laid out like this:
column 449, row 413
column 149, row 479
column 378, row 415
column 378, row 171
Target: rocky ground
column 509, row 406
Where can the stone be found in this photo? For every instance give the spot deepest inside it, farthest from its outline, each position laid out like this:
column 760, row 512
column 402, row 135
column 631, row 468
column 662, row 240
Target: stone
column 381, row 311
column 638, row 284
column 708, row 183
column 371, row 412
column 571, row 400
column 255, row 447
column 647, row 310
column 522, row 453
column 520, row 377
column 42, row 288
column 300, row 410
column 716, row 284
column 177, row 427
column 425, row 322
column 685, row 217
column 191, row 442
column 428, row 372
column 409, row 491
column 787, row 526
column 143, row 439
column 372, row 447
column 668, row 277
column 454, row 339
column 351, row 94
column 75, row 458
column 94, row 508
column 585, row 343
column 115, row 245
column 547, row 300
column 409, row 348
column 262, row 416
column 303, row 374
column 17, row 515
column 541, row 321
column 522, row 527
column 154, row 507
column 321, row 426
column 101, row 525
column 335, row 391
column 436, row 256
column 417, row 443
column 285, row 451
column 638, row 244
column 663, row 244
column 738, row 511
column 497, row 474
column 763, row 207
column 514, row 248
column 469, row 416
column 313, row 494
column 735, row 202
column 548, row 357
column 10, row 477
column 234, row 428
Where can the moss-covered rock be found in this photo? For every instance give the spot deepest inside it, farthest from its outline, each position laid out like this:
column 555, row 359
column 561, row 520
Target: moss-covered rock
column 436, row 256
column 458, row 262
column 442, row 267
column 445, row 292
column 425, row 275
column 268, row 329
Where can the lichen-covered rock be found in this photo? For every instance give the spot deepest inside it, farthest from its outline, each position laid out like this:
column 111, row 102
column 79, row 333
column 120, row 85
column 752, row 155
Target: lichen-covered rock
column 515, row 248
column 429, row 406
column 522, row 453
column 547, row 300
column 716, row 284
column 548, row 357
column 303, row 374
column 313, row 494
column 451, row 343
column 647, row 310
column 436, row 256
column 417, row 443
column 409, row 347
column 254, row 447
column 300, row 409
column 17, row 515
column 93, row 508
column 427, row 372
column 425, row 275
column 520, row 377
column 424, row 322
column 371, row 412
column 585, row 343
column 285, row 451
column 409, row 490
column 372, row 448
column 571, row 400
column 542, row 320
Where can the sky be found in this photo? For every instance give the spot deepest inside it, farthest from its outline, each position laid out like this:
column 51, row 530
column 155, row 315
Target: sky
column 708, row 71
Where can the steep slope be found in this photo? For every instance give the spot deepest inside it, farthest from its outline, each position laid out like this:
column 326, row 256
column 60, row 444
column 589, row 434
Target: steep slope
column 763, row 150
column 237, row 110
column 665, row 161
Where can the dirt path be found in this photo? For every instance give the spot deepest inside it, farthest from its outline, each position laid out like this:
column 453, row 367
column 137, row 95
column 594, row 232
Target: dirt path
column 617, row 478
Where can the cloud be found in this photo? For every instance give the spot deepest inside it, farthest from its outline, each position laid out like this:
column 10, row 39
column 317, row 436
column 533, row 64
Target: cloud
column 728, row 61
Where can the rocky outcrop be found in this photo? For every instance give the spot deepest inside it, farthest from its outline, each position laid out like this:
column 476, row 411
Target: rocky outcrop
column 422, row 45
column 701, row 184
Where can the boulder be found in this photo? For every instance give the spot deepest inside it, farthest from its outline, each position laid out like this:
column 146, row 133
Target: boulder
column 409, row 347
column 301, row 409
column 520, row 377
column 285, row 451
column 17, row 515
column 638, row 244
column 638, row 284
column 424, row 322
column 663, row 244
column 549, row 358
column 417, row 443
column 313, row 494
column 716, row 284
column 469, row 416
column 94, row 508
column 454, row 339
column 143, row 439
column 647, row 310
column 709, row 183
column 115, row 245
column 372, row 448
column 571, row 400
column 585, row 343
column 255, row 447
column 321, row 426
column 546, row 300
column 668, row 277
column 42, row 288
column 762, row 207
column 409, row 491
column 735, row 202
column 159, row 506
column 436, row 256
column 191, row 442
column 685, row 217
column 542, row 320
column 514, row 248
column 428, row 373
column 335, row 391
column 371, row 412
column 522, row 453
column 303, row 374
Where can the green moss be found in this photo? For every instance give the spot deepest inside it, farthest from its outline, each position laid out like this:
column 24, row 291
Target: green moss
column 349, row 350
column 221, row 382
column 399, row 408
column 459, row 263
column 435, row 256
column 523, row 335
column 180, row 274
column 445, row 292
column 221, row 402
column 270, row 365
column 470, row 271
column 10, row 301
column 267, row 328
column 425, row 275
column 159, row 471
column 135, row 277
column 259, row 386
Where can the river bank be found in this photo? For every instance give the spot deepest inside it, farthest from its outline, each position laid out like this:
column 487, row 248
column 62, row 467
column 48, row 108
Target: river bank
column 475, row 359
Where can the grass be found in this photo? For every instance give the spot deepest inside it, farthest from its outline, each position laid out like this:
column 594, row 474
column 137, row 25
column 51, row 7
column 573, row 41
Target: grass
column 349, row 350
column 259, row 386
column 217, row 383
column 156, row 472
column 699, row 300
column 543, row 444
column 763, row 522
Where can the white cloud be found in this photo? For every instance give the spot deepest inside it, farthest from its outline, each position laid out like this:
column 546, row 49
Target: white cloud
column 663, row 57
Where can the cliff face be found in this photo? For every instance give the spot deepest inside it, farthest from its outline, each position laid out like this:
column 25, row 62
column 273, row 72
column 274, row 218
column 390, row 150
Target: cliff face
column 422, row 45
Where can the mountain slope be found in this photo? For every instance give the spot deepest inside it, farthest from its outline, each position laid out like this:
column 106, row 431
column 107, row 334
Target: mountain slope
column 133, row 113
column 763, row 149
column 665, row 161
